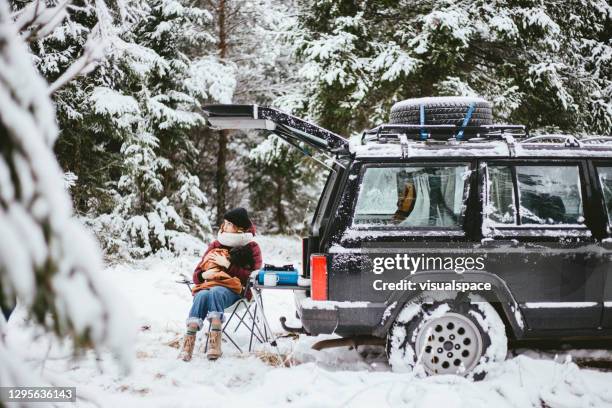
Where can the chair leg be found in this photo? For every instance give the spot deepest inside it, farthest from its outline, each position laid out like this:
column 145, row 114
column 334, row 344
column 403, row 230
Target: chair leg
column 232, row 315
column 253, row 317
column 233, row 342
column 253, row 329
column 241, row 319
column 266, row 325
column 226, row 325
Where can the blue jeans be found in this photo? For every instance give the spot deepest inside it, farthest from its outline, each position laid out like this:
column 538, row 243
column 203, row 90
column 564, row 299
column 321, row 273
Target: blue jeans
column 211, row 303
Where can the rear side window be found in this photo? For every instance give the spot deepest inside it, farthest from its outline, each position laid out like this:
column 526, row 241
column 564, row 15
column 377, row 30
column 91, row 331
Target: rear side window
column 547, row 195
column 605, row 181
column 502, row 209
column 412, row 196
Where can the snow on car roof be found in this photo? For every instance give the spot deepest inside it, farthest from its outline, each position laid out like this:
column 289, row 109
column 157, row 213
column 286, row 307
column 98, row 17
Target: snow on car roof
column 423, row 149
column 479, row 149
column 551, row 150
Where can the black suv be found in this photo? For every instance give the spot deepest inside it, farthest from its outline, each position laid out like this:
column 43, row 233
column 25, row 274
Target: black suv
column 449, row 236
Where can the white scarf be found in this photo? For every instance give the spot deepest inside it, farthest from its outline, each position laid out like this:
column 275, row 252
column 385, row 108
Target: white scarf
column 234, row 239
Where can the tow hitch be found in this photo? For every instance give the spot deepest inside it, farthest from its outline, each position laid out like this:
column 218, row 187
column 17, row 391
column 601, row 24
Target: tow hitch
column 298, row 330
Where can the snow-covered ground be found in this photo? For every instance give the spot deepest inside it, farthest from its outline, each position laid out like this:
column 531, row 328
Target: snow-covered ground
column 332, row 377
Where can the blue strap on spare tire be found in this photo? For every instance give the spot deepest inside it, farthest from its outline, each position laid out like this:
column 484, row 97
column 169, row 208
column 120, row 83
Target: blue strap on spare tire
column 422, row 116
column 466, row 120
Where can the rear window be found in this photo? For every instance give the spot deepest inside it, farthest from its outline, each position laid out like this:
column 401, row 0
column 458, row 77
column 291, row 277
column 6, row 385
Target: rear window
column 547, row 195
column 412, row 196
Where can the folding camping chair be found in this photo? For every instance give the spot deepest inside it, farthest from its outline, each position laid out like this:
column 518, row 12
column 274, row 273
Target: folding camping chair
column 246, row 313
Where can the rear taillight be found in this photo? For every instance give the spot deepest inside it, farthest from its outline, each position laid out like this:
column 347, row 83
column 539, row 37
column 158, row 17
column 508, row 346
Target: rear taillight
column 318, row 277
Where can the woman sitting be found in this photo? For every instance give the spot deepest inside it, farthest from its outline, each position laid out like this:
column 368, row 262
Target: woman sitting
column 220, row 279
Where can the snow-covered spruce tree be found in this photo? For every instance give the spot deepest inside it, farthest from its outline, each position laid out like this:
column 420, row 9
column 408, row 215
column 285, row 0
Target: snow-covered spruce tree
column 159, row 197
column 126, row 127
column 546, row 65
column 93, row 120
column 250, row 37
column 48, row 261
column 283, row 183
column 280, row 182
column 254, row 38
column 86, row 146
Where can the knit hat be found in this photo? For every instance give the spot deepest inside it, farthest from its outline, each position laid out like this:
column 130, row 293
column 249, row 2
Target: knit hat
column 239, row 217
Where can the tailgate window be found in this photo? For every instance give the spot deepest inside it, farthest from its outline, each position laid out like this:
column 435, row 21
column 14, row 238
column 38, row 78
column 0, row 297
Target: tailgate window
column 412, row 196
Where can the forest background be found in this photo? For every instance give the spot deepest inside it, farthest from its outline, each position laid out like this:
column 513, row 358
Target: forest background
column 128, row 79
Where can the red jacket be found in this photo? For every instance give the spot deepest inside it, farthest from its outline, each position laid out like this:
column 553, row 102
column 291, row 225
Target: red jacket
column 234, row 270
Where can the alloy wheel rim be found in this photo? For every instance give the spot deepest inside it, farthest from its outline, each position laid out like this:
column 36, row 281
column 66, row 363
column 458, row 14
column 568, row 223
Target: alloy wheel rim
column 449, row 344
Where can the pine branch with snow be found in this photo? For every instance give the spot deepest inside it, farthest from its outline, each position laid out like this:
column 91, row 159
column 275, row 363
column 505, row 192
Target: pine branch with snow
column 541, row 65
column 48, row 261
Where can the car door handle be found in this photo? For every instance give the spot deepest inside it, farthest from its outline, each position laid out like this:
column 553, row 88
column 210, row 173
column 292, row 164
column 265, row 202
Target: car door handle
column 489, row 243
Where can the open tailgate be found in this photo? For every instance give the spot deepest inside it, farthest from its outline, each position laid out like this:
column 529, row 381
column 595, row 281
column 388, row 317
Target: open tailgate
column 288, row 127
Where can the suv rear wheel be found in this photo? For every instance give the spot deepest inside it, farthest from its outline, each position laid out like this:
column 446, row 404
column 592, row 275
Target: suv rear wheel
column 442, row 338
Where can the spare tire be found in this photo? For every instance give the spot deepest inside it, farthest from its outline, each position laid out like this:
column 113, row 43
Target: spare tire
column 442, row 110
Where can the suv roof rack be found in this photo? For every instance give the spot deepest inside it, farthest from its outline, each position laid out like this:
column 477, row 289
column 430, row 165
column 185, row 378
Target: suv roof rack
column 596, row 140
column 391, row 133
column 565, row 140
column 569, row 140
column 511, row 134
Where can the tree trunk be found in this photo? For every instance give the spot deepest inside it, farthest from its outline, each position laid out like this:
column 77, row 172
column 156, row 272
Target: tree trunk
column 281, row 219
column 221, row 176
column 221, row 179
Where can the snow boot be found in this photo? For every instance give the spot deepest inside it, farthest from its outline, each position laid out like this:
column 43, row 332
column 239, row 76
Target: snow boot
column 188, row 346
column 214, row 340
